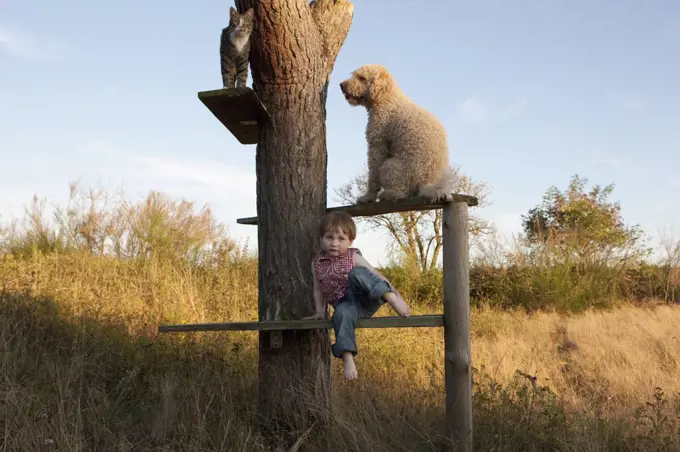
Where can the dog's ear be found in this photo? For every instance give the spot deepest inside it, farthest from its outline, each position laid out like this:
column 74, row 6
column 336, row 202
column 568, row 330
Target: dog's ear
column 381, row 84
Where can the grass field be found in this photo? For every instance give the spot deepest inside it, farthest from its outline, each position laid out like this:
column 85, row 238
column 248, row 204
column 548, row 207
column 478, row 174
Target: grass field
column 82, row 368
column 561, row 363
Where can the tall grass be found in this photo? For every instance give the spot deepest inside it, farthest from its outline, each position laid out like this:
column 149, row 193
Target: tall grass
column 82, row 367
column 539, row 279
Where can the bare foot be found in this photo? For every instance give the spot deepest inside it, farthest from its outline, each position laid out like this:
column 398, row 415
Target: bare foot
column 349, row 366
column 397, row 303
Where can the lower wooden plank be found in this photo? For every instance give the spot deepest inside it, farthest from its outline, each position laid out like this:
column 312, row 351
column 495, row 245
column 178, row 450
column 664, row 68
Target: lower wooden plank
column 277, row 325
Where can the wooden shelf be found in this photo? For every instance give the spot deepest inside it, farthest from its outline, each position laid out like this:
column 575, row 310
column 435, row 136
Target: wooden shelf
column 383, row 207
column 238, row 109
column 419, row 321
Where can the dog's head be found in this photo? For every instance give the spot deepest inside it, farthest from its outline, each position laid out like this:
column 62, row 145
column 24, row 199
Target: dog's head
column 368, row 85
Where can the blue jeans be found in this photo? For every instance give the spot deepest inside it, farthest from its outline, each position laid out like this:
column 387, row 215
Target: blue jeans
column 362, row 299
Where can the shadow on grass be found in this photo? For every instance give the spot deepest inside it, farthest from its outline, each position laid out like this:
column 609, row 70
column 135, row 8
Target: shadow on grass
column 76, row 383
column 71, row 381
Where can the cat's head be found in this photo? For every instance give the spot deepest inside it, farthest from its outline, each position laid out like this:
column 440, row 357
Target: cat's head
column 242, row 23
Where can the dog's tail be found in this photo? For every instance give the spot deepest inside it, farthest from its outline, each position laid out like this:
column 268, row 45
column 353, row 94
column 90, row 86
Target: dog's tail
column 441, row 188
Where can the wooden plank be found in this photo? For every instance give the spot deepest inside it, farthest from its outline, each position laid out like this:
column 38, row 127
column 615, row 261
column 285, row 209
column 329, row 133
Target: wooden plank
column 457, row 363
column 418, row 321
column 384, row 207
column 239, row 110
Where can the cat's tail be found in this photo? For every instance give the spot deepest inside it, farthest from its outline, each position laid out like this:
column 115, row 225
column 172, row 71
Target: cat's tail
column 442, row 188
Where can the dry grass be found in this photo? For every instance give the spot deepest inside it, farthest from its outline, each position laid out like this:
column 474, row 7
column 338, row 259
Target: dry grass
column 82, row 367
column 615, row 356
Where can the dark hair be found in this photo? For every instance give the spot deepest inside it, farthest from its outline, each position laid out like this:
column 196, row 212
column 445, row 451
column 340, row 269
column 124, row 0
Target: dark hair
column 338, row 220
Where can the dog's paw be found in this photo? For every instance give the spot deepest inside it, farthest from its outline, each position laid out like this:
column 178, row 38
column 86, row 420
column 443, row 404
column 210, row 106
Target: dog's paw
column 393, row 196
column 443, row 197
column 365, row 199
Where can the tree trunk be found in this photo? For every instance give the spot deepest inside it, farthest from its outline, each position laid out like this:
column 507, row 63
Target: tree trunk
column 293, row 50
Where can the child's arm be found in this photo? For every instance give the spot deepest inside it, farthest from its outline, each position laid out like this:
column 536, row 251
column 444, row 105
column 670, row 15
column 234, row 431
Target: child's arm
column 319, row 304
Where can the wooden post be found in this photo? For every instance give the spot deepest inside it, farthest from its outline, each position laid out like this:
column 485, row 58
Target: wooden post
column 457, row 374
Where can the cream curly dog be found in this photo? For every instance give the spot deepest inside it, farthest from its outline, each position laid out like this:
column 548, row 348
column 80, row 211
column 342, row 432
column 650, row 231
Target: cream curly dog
column 407, row 149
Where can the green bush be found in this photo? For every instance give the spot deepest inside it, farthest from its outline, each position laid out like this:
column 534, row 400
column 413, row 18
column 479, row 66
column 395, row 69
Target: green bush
column 560, row 287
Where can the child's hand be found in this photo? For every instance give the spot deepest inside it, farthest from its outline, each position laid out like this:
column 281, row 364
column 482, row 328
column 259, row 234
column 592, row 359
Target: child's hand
column 316, row 316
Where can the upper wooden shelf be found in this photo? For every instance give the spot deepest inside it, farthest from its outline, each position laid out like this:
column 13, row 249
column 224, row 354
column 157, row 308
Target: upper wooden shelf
column 383, row 207
column 421, row 321
column 239, row 109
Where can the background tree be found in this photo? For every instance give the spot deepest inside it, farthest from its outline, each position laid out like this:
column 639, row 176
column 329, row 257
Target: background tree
column 294, row 47
column 415, row 237
column 97, row 222
column 670, row 265
column 583, row 225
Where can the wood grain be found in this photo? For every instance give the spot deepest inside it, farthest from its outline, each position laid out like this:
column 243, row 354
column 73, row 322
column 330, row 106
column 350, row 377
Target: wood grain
column 420, row 321
column 384, row 207
column 457, row 365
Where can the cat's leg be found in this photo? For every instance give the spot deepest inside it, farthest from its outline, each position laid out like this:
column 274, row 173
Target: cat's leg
column 242, row 71
column 242, row 78
column 227, row 80
column 229, row 76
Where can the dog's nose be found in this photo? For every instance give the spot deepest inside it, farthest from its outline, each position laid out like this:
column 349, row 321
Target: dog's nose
column 343, row 84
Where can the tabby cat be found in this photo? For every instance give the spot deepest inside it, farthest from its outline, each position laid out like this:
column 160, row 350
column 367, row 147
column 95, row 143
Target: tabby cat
column 235, row 48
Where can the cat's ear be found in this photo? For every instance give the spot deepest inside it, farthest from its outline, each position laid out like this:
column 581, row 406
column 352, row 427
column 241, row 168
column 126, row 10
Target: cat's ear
column 232, row 11
column 250, row 13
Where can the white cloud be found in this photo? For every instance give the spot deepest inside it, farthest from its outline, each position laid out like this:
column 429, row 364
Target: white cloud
column 25, row 46
column 475, row 110
column 15, row 44
column 212, row 175
column 229, row 190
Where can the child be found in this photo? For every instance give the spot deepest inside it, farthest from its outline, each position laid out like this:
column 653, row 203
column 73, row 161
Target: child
column 346, row 281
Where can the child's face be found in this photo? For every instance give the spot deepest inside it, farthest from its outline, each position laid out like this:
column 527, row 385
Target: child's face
column 335, row 242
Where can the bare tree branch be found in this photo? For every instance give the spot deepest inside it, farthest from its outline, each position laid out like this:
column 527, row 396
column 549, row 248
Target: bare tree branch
column 293, row 35
column 411, row 231
column 333, row 19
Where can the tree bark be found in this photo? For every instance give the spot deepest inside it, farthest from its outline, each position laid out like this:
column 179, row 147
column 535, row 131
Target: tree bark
column 293, row 50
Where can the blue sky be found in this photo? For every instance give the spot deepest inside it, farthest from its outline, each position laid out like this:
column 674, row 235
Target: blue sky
column 531, row 92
